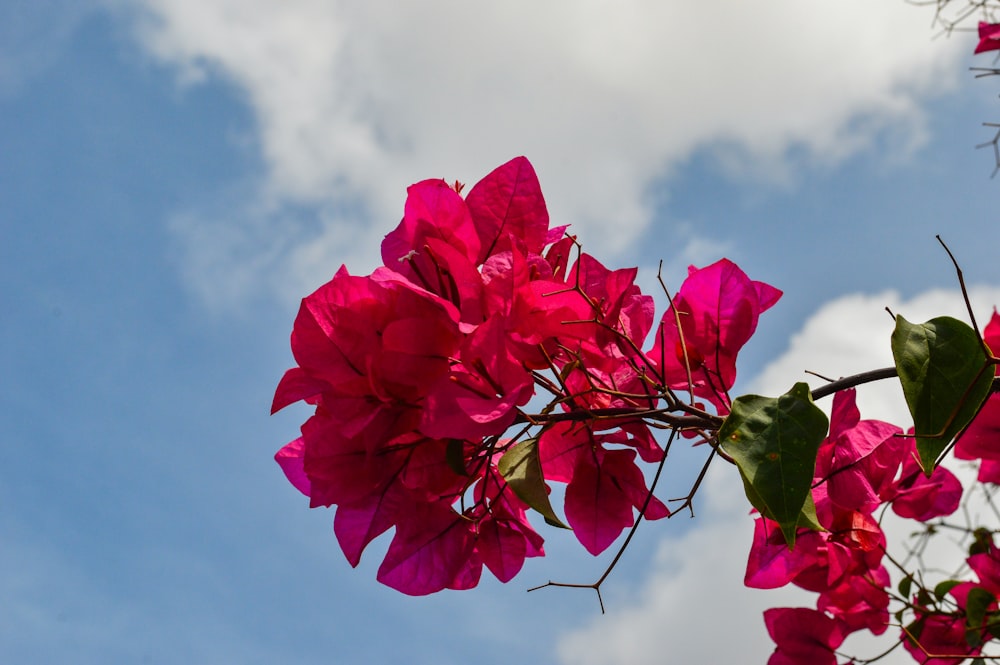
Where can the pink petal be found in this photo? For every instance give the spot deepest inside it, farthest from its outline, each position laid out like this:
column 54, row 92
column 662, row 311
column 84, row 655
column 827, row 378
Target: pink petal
column 430, row 551
column 508, row 203
column 596, row 507
column 502, row 548
column 290, row 459
column 357, row 524
column 989, row 37
column 296, row 385
column 981, row 439
column 771, row 564
column 803, row 635
column 433, row 210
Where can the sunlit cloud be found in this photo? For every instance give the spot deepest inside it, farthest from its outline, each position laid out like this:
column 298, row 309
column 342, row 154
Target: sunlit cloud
column 355, row 101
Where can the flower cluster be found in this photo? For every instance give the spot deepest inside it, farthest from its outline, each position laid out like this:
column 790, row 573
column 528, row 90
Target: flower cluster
column 490, row 357
column 863, row 466
column 421, row 373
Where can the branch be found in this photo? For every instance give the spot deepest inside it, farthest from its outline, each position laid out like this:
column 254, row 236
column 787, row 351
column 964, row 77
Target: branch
column 853, row 381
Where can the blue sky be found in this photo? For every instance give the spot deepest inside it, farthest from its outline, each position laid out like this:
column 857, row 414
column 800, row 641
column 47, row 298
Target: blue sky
column 175, row 175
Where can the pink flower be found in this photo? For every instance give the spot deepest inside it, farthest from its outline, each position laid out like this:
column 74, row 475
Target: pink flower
column 989, row 37
column 480, row 394
column 379, row 337
column 803, row 636
column 938, row 639
column 508, row 204
column 417, row 371
column 981, row 439
column 718, row 307
column 859, row 457
column 860, row 601
column 604, row 486
column 771, row 564
column 921, row 498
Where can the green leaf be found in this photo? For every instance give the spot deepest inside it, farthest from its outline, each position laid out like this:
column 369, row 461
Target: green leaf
column 454, row 456
column 807, row 516
column 942, row 588
column 945, row 379
column 773, row 441
column 982, row 541
column 521, row 467
column 976, row 604
column 993, row 624
column 905, row 585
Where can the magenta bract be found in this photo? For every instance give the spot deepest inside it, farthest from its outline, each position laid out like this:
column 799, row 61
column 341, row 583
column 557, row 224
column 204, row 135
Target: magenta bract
column 419, row 374
column 714, row 313
column 989, row 37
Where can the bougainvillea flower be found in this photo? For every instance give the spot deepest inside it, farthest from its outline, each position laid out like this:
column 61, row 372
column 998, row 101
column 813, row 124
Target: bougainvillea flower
column 377, row 335
column 802, row 635
column 938, row 639
column 921, row 498
column 989, row 37
column 846, row 460
column 604, row 486
column 504, row 538
column 860, row 601
column 718, row 307
column 822, row 561
column 600, row 498
column 433, row 210
column 431, row 550
column 480, row 395
column 981, row 439
column 771, row 564
column 417, row 371
column 508, row 204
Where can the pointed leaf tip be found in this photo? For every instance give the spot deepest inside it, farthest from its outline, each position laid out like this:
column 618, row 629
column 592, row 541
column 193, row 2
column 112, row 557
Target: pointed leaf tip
column 521, row 467
column 945, row 378
column 774, row 441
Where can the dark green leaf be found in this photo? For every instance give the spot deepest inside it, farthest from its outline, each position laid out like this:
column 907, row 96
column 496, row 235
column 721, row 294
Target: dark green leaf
column 521, row 467
column 976, row 604
column 993, row 624
column 905, row 585
column 454, row 455
column 982, row 541
column 915, row 629
column 773, row 441
column 942, row 588
column 945, row 379
column 807, row 516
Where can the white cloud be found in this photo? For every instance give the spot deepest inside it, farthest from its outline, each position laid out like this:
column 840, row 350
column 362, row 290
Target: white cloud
column 354, row 101
column 693, row 608
column 851, row 335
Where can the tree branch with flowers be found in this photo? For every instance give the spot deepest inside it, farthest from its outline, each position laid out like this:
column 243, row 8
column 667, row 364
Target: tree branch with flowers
column 490, row 358
column 423, row 374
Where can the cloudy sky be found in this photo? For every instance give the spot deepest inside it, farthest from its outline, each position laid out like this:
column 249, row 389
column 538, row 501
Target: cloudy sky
column 176, row 174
